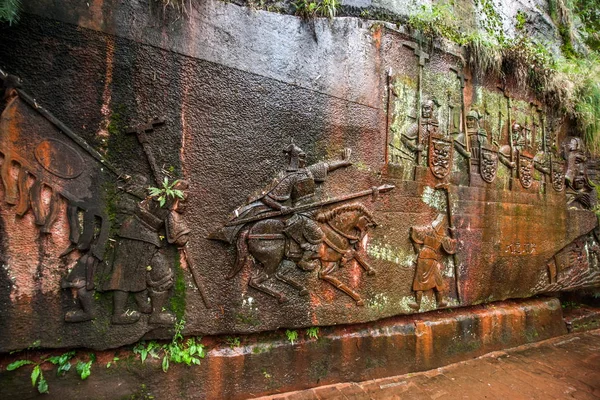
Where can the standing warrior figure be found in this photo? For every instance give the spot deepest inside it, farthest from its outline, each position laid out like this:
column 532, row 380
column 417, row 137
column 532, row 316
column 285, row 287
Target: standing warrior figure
column 580, row 191
column 293, row 187
column 477, row 137
column 417, row 135
column 507, row 154
column 142, row 265
column 429, row 241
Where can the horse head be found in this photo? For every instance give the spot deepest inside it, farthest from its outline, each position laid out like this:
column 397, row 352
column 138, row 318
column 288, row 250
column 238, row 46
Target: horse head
column 348, row 218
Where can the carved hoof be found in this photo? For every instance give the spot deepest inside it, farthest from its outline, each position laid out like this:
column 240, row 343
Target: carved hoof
column 442, row 304
column 415, row 306
column 162, row 319
column 78, row 316
column 128, row 317
column 360, row 303
column 303, row 292
column 371, row 272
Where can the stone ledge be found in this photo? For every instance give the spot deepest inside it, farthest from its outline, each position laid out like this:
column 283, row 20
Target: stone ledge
column 268, row 363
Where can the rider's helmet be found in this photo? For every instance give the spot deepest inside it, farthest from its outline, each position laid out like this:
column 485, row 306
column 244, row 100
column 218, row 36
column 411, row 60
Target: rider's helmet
column 296, row 157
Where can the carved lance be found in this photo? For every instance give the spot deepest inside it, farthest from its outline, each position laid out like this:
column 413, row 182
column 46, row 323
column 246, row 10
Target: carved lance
column 197, row 279
column 273, row 214
column 446, row 187
column 422, row 58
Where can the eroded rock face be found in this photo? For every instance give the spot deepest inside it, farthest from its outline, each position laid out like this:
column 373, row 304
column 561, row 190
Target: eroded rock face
column 317, row 174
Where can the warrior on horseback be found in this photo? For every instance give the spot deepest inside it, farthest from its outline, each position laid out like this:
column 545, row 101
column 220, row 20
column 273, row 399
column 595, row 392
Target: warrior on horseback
column 293, row 187
column 280, row 228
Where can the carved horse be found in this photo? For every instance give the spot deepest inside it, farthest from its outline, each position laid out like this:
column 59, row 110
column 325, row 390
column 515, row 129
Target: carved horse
column 264, row 244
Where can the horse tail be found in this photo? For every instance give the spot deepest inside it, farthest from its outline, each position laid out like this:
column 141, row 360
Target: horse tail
column 242, row 254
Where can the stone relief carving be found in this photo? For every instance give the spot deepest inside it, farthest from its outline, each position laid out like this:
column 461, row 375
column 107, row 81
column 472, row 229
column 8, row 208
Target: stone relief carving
column 558, row 175
column 417, row 135
column 580, row 191
column 576, row 266
column 281, row 226
column 488, row 165
column 525, row 170
column 140, row 263
column 430, row 241
column 440, row 155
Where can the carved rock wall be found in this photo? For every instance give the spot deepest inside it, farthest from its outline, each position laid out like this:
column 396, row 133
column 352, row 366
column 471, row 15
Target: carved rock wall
column 234, row 87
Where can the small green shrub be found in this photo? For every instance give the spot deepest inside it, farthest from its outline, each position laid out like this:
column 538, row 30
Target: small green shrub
column 292, row 335
column 64, row 365
column 313, row 332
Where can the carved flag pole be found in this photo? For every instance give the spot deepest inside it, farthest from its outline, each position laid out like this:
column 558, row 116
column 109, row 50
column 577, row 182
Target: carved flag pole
column 423, row 57
column 463, row 125
column 273, row 214
column 445, row 187
column 389, row 115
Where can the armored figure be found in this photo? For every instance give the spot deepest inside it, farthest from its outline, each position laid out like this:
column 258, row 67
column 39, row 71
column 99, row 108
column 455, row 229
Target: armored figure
column 580, row 191
column 417, row 135
column 477, row 137
column 141, row 263
column 293, row 187
column 430, row 240
column 506, row 153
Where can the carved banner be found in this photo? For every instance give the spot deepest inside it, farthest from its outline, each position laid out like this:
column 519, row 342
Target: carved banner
column 440, row 155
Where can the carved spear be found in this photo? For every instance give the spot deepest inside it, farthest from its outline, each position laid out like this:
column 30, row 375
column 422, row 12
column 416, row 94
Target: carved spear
column 273, row 214
column 445, row 187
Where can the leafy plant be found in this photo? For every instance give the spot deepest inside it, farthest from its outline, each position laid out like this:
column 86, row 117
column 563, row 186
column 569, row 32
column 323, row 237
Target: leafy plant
column 291, row 335
column 233, row 341
column 167, row 191
column 37, row 376
column 521, row 18
column 313, row 332
column 84, row 369
column 308, row 9
column 63, row 362
column 328, row 8
column 179, row 351
column 9, row 11
column 113, row 362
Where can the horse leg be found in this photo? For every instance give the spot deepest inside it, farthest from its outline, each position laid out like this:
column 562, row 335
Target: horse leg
column 324, row 274
column 302, row 291
column 364, row 264
column 257, row 281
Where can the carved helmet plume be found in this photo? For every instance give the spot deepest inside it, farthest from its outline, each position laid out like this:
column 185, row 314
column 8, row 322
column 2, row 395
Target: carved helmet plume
column 294, row 155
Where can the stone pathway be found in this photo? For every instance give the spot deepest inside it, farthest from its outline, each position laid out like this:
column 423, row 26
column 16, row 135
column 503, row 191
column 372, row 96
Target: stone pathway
column 566, row 367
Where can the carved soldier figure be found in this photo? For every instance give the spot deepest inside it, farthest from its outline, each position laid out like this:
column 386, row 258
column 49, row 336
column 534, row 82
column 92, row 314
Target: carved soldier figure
column 580, row 191
column 518, row 144
column 81, row 279
column 429, row 241
column 477, row 136
column 142, row 265
column 293, row 187
column 417, row 136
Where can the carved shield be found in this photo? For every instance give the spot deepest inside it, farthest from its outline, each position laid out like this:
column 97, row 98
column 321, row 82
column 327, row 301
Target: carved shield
column 558, row 176
column 440, row 155
column 525, row 171
column 488, row 165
